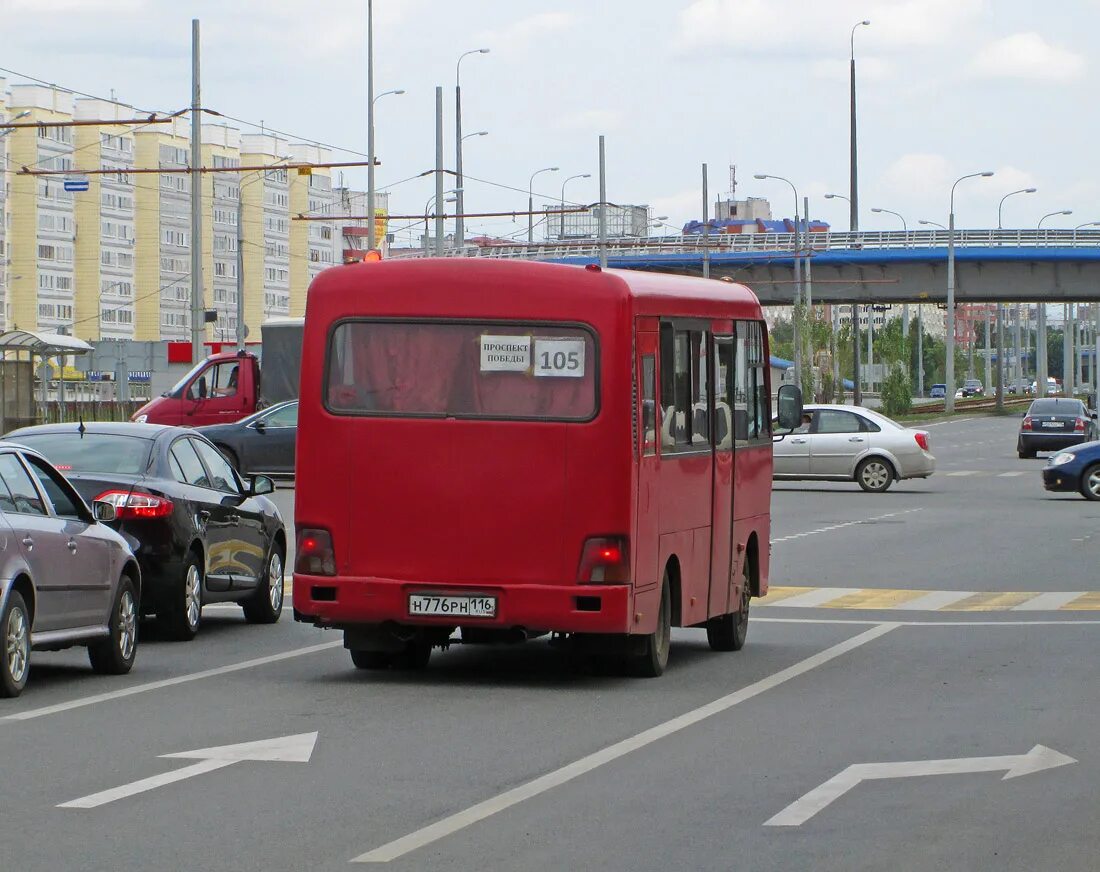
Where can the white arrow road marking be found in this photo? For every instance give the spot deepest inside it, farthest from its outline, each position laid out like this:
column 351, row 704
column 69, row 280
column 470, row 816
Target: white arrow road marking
column 286, row 749
column 800, row 811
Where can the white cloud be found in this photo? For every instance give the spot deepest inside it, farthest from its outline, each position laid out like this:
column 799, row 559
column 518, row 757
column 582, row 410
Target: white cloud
column 916, row 176
column 680, row 207
column 1028, row 56
column 519, row 33
column 601, row 120
column 757, row 26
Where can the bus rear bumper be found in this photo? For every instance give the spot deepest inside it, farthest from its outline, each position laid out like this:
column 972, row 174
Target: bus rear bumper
column 342, row 602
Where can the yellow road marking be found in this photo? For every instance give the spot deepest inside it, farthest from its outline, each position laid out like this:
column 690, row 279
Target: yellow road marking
column 1087, row 602
column 872, row 598
column 990, row 601
column 775, row 594
column 892, row 598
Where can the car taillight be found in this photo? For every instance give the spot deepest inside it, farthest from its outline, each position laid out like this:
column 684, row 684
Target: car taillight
column 922, row 440
column 1027, row 423
column 604, row 559
column 131, row 506
column 314, row 553
column 1080, row 425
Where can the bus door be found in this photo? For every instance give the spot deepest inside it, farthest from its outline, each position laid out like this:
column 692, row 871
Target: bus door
column 646, row 537
column 722, row 508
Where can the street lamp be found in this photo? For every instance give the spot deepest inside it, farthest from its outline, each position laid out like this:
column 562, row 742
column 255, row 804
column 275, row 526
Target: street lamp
column 561, row 232
column 838, row 197
column 22, row 114
column 1088, row 224
column 931, row 224
column 479, row 133
column 904, row 226
column 797, row 283
column 531, row 202
column 1051, row 215
column 428, row 206
column 1005, row 197
column 460, row 222
column 949, row 392
column 853, row 200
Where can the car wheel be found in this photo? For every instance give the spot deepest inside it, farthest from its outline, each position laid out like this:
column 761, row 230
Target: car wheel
column 115, row 654
column 371, row 659
column 875, row 475
column 15, row 624
column 183, row 615
column 1090, row 482
column 266, row 604
column 653, row 658
column 232, row 457
column 728, row 632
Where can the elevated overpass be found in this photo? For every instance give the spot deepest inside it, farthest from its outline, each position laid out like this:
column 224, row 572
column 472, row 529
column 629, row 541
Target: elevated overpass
column 889, row 267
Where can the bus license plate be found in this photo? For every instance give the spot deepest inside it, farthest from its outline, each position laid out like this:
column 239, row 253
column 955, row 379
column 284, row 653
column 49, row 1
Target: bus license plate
column 453, row 606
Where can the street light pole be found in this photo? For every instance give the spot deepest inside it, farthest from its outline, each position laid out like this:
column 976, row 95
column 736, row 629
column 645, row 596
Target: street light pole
column 561, row 229
column 460, row 222
column 531, row 202
column 853, row 199
column 1051, row 215
column 949, row 363
column 797, row 283
column 1000, row 205
column 372, row 235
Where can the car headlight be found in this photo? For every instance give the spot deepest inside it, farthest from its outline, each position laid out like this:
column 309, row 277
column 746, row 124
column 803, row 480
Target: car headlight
column 140, row 419
column 1064, row 457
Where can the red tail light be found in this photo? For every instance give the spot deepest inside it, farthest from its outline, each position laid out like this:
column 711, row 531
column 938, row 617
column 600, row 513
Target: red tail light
column 1080, row 425
column 1027, row 423
column 922, row 440
column 314, row 553
column 130, row 506
column 604, row 559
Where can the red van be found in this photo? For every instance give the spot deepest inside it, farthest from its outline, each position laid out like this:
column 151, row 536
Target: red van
column 512, row 449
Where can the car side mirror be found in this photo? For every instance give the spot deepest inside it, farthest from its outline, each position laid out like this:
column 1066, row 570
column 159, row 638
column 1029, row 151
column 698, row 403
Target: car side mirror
column 260, row 484
column 260, row 426
column 789, row 406
column 104, row 512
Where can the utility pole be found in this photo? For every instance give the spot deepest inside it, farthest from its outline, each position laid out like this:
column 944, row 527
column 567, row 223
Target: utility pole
column 439, row 171
column 1041, row 351
column 198, row 304
column 601, row 218
column 1068, row 376
column 1000, row 358
column 920, row 350
column 809, row 281
column 372, row 231
column 242, row 330
column 706, row 226
column 988, row 354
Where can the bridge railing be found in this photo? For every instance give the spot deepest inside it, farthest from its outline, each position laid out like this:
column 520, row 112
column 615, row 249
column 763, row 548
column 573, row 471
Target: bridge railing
column 720, row 243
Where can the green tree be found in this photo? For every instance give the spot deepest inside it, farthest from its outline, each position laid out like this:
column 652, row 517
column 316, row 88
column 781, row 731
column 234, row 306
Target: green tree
column 897, row 393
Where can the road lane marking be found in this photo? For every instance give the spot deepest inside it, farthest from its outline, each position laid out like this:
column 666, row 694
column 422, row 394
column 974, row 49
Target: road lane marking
column 1045, row 602
column 31, row 714
column 453, row 823
column 1011, row 474
column 911, row 600
column 1066, row 622
column 844, row 524
column 958, row 472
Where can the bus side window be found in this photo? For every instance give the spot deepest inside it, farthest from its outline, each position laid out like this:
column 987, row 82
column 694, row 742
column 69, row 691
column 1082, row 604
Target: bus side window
column 723, row 391
column 700, row 406
column 752, row 407
column 649, row 405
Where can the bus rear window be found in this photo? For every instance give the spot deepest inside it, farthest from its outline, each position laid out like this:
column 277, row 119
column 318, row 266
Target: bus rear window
column 462, row 370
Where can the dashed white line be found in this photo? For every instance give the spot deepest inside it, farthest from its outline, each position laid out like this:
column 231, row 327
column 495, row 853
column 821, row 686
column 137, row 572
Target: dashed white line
column 482, row 810
column 844, row 524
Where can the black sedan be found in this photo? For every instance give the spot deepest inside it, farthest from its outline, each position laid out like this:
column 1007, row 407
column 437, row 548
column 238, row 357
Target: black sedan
column 1076, row 469
column 1052, row 423
column 200, row 534
column 262, row 442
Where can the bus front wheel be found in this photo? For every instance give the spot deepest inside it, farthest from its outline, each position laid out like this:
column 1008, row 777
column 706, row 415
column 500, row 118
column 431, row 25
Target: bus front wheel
column 651, row 661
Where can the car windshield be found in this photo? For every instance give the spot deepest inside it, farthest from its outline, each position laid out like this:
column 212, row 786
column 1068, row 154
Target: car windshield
column 1055, row 407
column 92, row 452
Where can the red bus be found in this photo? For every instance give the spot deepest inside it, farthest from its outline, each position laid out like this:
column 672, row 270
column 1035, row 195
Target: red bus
column 513, row 449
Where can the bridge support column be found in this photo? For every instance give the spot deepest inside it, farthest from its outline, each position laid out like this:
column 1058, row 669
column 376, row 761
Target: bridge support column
column 1068, row 375
column 1041, row 351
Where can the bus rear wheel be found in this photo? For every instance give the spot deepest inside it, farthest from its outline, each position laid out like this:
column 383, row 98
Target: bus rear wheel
column 651, row 661
column 371, row 659
column 728, row 632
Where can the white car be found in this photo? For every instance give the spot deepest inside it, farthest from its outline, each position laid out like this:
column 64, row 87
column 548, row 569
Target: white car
column 850, row 443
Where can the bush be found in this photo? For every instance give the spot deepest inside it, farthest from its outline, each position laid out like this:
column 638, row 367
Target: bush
column 897, row 393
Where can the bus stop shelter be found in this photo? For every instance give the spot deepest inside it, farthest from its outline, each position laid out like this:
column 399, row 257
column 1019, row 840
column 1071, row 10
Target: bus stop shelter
column 20, row 352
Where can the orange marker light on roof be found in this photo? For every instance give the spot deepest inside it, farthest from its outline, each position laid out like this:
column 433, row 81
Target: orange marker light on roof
column 373, row 254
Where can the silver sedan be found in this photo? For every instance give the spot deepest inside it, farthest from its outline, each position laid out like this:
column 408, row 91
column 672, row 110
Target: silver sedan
column 850, row 443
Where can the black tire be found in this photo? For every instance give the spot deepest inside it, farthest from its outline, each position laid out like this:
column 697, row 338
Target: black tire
column 728, row 632
column 651, row 661
column 1025, row 453
column 371, row 659
column 115, row 654
column 875, row 475
column 1090, row 482
column 266, row 604
column 15, row 632
column 231, row 456
column 182, row 615
column 414, row 658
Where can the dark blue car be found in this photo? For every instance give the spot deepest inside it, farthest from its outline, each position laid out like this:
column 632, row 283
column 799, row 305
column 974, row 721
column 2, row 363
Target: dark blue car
column 1075, row 469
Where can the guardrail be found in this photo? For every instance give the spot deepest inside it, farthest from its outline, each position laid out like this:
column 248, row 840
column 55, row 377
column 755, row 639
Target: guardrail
column 765, row 243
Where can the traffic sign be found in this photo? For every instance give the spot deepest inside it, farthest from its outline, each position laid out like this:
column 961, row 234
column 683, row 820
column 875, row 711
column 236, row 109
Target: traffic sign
column 76, row 184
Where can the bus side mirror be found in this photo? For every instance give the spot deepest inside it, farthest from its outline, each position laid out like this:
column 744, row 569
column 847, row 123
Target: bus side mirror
column 789, row 405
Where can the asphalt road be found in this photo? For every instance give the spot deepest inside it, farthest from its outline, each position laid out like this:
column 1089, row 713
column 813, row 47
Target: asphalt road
column 503, row 759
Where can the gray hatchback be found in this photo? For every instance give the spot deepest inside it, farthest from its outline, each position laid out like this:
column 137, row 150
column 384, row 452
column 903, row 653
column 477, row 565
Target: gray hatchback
column 65, row 578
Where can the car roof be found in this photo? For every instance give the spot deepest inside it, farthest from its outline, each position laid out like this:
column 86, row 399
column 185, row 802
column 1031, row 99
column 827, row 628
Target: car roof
column 106, row 428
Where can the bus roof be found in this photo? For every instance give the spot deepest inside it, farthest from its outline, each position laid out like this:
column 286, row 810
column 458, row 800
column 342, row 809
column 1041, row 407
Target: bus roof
column 453, row 286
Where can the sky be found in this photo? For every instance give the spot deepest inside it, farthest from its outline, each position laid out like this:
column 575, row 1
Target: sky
column 946, row 87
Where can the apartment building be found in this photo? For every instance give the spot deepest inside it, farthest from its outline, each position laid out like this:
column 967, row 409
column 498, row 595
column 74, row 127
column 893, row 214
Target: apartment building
column 221, row 197
column 314, row 245
column 5, row 214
